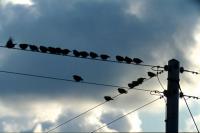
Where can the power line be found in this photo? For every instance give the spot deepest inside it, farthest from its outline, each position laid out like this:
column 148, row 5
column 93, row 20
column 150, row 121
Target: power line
column 126, row 114
column 112, row 61
column 69, row 80
column 189, row 111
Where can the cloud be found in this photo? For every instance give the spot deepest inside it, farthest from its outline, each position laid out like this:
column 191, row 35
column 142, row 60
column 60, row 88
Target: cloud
column 154, row 30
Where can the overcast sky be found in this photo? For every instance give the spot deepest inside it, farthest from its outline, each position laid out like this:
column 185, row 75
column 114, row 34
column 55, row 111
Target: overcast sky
column 153, row 30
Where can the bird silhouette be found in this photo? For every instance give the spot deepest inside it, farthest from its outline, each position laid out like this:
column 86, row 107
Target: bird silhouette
column 10, row 43
column 76, row 53
column 108, row 98
column 104, row 56
column 65, row 51
column 128, row 60
column 43, row 49
column 137, row 60
column 23, row 46
column 52, row 50
column 119, row 58
column 133, row 84
column 93, row 55
column 140, row 80
column 84, row 54
column 58, row 50
column 122, row 91
column 77, row 78
column 151, row 74
column 33, row 48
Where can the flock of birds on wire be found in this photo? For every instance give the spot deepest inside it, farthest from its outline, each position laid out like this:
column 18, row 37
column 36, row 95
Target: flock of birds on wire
column 84, row 54
column 76, row 53
column 131, row 85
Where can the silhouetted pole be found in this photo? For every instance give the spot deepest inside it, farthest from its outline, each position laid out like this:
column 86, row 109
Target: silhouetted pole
column 172, row 96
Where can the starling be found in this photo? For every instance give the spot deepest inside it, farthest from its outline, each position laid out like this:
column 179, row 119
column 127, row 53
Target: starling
column 122, row 91
column 104, row 56
column 33, row 48
column 52, row 50
column 140, row 80
column 137, row 60
column 77, row 78
column 128, row 60
column 93, row 55
column 65, row 51
column 43, row 49
column 10, row 43
column 151, row 74
column 76, row 53
column 108, row 98
column 23, row 46
column 58, row 50
column 119, row 58
column 84, row 54
column 135, row 83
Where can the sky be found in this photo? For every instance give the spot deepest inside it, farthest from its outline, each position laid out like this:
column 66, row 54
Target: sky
column 154, row 30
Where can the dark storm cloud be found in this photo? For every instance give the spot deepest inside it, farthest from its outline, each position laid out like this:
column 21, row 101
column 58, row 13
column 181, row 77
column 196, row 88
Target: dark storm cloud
column 101, row 26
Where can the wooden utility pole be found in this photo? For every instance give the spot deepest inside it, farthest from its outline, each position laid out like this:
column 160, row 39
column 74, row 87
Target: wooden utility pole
column 172, row 95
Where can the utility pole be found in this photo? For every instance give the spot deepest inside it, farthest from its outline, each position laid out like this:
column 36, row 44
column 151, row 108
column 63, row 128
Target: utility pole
column 172, row 95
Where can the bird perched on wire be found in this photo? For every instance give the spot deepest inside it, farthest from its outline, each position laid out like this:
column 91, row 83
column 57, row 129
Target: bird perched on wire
column 93, row 55
column 23, row 46
column 77, row 78
column 76, row 53
column 128, row 60
column 137, row 60
column 33, row 48
column 65, row 51
column 133, row 84
column 119, row 58
column 10, row 43
column 58, row 50
column 84, row 54
column 104, row 56
column 43, row 49
column 52, row 50
column 140, row 80
column 151, row 74
column 108, row 98
column 122, row 91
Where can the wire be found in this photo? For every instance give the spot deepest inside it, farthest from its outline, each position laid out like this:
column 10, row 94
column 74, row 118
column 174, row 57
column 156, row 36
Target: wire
column 69, row 80
column 189, row 111
column 76, row 117
column 66, row 122
column 112, row 61
column 126, row 114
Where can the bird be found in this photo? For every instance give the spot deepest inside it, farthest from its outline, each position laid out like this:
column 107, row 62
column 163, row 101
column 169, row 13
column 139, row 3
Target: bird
column 93, row 55
column 130, row 85
column 151, row 74
column 77, row 78
column 43, row 49
column 65, row 51
column 76, row 53
column 33, row 48
column 10, row 43
column 52, row 50
column 140, row 80
column 135, row 83
column 108, row 98
column 122, row 91
column 58, row 50
column 128, row 60
column 84, row 54
column 23, row 46
column 119, row 58
column 104, row 56
column 137, row 60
